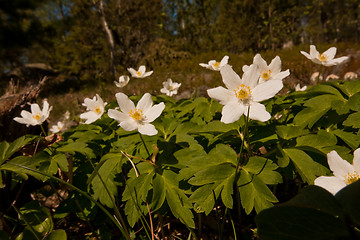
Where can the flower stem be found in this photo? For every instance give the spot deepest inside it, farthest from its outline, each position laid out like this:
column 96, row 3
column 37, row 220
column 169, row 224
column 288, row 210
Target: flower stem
column 43, row 130
column 147, row 150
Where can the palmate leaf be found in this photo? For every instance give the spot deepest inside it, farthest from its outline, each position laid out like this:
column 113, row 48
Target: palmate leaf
column 305, row 165
column 8, row 149
column 107, row 171
column 254, row 193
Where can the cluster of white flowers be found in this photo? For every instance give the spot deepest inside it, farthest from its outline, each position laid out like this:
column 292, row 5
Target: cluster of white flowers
column 242, row 95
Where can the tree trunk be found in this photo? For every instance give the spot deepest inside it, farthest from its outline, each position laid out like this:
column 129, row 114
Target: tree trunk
column 109, row 37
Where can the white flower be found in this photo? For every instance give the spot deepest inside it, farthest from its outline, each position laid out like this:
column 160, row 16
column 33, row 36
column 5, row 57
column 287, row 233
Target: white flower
column 331, row 77
column 123, row 81
column 344, row 172
column 326, row 58
column 269, row 72
column 95, row 108
column 298, row 88
column 138, row 117
column 170, row 88
column 245, row 93
column 57, row 128
column 214, row 65
column 139, row 73
column 350, row 75
column 315, row 76
column 36, row 116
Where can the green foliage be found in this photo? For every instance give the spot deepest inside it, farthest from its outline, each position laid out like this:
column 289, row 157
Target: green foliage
column 197, row 167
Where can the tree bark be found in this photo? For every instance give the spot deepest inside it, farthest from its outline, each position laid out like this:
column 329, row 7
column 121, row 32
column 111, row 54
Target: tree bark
column 109, row 37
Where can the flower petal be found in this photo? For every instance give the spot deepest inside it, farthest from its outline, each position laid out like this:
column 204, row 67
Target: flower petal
column 147, row 74
column 223, row 95
column 230, row 77
column 125, row 104
column 117, row 115
column 145, row 102
column 224, row 61
column 251, row 76
column 339, row 166
column 90, row 117
column 356, row 160
column 258, row 112
column 266, row 90
column 340, row 59
column 313, row 52
column 306, row 54
column 147, row 129
column 275, row 65
column 281, row 75
column 35, row 108
column 142, row 69
column 26, row 114
column 331, row 184
column 258, row 60
column 154, row 112
column 132, row 71
column 129, row 125
column 232, row 112
column 330, row 53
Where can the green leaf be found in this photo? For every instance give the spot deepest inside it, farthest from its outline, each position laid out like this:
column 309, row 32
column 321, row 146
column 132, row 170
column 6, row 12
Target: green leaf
column 61, row 161
column 288, row 132
column 265, row 169
column 177, row 200
column 349, row 138
column 348, row 197
column 353, row 120
column 317, row 141
column 38, row 217
column 107, row 173
column 59, row 234
column 305, row 165
column 254, row 193
column 7, row 150
column 294, row 222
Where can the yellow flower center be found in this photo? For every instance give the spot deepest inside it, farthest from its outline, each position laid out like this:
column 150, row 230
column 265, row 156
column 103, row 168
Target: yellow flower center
column 138, row 73
column 351, row 177
column 136, row 114
column 216, row 64
column 266, row 75
column 37, row 116
column 171, row 88
column 97, row 110
column 323, row 57
column 242, row 92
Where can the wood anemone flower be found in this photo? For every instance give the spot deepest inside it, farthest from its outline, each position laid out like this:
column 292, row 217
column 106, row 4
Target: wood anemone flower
column 245, row 93
column 214, row 65
column 139, row 117
column 36, row 116
column 141, row 73
column 95, row 108
column 326, row 58
column 344, row 172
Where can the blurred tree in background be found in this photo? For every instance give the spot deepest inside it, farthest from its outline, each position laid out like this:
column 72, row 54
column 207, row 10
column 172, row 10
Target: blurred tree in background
column 99, row 39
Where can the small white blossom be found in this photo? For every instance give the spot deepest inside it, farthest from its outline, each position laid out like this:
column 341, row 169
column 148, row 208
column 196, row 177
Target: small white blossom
column 214, row 65
column 57, row 128
column 95, row 108
column 268, row 72
column 139, row 117
column 326, row 58
column 350, row 75
column 331, row 77
column 316, row 76
column 141, row 73
column 36, row 116
column 123, row 81
column 170, row 88
column 344, row 172
column 245, row 93
column 298, row 88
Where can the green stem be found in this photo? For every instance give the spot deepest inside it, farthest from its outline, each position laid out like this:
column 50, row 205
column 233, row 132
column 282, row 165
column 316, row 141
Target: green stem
column 142, row 139
column 32, row 230
column 117, row 212
column 242, row 144
column 43, row 130
column 113, row 219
